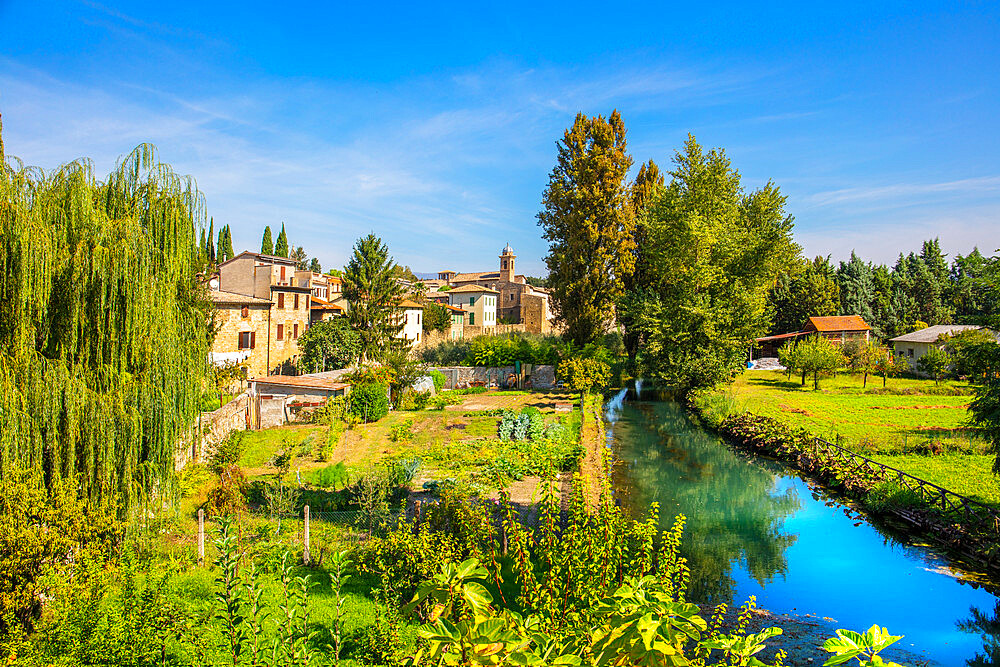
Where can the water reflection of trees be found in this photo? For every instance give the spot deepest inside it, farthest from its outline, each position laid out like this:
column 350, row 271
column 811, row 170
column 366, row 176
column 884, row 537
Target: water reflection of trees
column 733, row 510
column 987, row 626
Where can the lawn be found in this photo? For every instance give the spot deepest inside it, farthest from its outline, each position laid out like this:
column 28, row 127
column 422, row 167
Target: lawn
column 908, row 415
column 913, row 425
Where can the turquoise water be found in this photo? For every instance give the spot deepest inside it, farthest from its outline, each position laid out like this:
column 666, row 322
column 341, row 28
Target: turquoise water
column 756, row 528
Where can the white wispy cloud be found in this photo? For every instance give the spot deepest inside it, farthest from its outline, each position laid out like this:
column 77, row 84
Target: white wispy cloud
column 978, row 185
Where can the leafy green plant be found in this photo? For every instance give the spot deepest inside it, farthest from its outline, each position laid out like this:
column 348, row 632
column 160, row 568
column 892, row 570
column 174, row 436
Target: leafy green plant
column 227, row 453
column 438, row 378
column 865, row 648
column 401, row 432
column 369, row 401
column 339, row 564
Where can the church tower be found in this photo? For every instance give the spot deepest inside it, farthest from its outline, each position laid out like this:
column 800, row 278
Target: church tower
column 507, row 264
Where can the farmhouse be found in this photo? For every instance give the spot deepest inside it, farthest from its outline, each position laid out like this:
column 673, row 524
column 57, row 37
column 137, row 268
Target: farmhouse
column 915, row 344
column 838, row 329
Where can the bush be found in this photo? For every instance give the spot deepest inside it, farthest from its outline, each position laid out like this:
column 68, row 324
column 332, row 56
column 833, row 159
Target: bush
column 331, row 476
column 227, row 453
column 439, row 379
column 448, row 353
column 227, row 496
column 369, row 401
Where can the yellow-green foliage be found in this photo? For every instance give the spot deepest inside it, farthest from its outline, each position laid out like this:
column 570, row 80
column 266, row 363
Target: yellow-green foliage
column 103, row 333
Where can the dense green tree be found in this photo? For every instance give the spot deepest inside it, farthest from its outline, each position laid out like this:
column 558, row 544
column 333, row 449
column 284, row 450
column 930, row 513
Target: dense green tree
column 817, row 355
column 315, row 266
column 536, row 282
column 587, row 219
column 935, row 363
column 857, row 289
column 972, row 294
column 371, row 289
column 210, row 248
column 225, row 247
column 266, row 244
column 104, row 331
column 329, row 345
column 637, row 283
column 281, row 245
column 885, row 320
column 868, row 360
column 808, row 289
column 716, row 250
column 436, row 318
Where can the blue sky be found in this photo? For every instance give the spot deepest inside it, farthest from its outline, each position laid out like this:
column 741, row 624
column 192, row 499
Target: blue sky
column 435, row 125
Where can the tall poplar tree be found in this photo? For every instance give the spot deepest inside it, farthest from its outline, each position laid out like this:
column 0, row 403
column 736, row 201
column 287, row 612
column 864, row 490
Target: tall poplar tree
column 225, row 247
column 281, row 245
column 646, row 188
column 266, row 244
column 588, row 220
column 371, row 289
column 210, row 248
column 104, row 330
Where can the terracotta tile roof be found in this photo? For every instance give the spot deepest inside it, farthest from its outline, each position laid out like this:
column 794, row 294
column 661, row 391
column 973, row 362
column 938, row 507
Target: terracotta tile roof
column 472, row 277
column 409, row 304
column 454, row 309
column 838, row 323
column 316, row 303
column 301, row 382
column 220, row 297
column 473, row 288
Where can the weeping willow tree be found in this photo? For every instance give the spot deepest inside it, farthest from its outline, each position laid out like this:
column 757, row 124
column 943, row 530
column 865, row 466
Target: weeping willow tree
column 104, row 332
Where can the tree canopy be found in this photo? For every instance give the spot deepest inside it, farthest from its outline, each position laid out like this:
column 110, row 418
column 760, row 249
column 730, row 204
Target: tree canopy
column 329, row 345
column 104, row 330
column 281, row 245
column 588, row 221
column 266, row 244
column 371, row 288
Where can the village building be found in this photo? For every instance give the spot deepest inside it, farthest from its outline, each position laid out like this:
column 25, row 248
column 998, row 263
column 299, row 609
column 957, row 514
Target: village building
column 457, row 329
column 269, row 341
column 411, row 316
column 517, row 302
column 915, row 344
column 479, row 304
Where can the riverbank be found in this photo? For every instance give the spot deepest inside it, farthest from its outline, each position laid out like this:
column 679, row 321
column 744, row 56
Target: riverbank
column 970, row 532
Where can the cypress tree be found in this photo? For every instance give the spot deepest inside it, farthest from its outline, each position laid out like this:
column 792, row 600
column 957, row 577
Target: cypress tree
column 588, row 220
column 281, row 245
column 266, row 245
column 104, row 331
column 210, row 249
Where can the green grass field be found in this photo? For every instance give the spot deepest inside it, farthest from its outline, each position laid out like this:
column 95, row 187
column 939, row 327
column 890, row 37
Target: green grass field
column 913, row 425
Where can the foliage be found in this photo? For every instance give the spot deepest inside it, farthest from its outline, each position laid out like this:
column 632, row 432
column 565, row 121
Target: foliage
column 815, row 355
column 805, row 289
column 104, row 328
column 588, row 221
column 266, row 242
column 331, row 476
column 281, row 244
column 224, row 249
column 404, row 372
column 371, row 289
column 984, row 412
column 42, row 531
column 584, row 374
column 436, row 318
column 868, row 358
column 504, row 349
column 402, row 431
column 300, row 257
column 965, row 348
column 447, row 353
column 438, row 378
column 848, row 645
column 715, row 250
column 227, row 496
column 328, row 345
column 934, row 363
column 369, row 401
column 227, row 453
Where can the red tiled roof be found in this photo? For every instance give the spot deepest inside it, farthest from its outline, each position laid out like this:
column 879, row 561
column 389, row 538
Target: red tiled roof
column 838, row 323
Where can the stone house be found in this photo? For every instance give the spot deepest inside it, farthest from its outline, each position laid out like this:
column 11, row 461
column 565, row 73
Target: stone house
column 242, row 335
column 270, row 279
column 517, row 302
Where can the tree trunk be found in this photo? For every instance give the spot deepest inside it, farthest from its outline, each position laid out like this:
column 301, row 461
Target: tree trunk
column 815, row 380
column 864, row 385
column 803, row 377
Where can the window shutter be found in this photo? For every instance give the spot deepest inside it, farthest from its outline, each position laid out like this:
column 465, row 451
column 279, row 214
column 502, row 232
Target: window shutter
column 281, row 299
column 253, row 339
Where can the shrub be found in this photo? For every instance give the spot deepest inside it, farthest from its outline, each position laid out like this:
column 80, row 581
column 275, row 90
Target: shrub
column 227, row 496
column 331, row 476
column 439, row 379
column 401, row 431
column 369, row 401
column 227, row 453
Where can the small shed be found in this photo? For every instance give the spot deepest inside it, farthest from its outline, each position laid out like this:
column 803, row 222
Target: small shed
column 838, row 329
column 915, row 344
column 303, row 389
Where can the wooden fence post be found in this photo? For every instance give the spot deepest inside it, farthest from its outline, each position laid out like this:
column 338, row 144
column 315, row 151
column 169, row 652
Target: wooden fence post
column 305, row 540
column 201, row 537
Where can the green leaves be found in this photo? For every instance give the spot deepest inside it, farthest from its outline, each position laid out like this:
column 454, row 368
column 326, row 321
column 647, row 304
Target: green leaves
column 849, row 645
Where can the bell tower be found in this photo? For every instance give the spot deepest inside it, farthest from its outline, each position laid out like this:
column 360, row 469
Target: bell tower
column 507, row 264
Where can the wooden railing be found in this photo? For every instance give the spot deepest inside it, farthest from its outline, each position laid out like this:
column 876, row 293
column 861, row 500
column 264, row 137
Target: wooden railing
column 952, row 507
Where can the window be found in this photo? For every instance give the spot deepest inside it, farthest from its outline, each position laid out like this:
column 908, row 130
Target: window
column 281, row 332
column 281, row 299
column 909, row 352
column 472, row 319
column 418, row 336
column 511, row 296
column 418, row 322
column 295, row 302
column 245, row 312
column 295, row 331
column 472, row 300
column 245, row 340
column 282, row 274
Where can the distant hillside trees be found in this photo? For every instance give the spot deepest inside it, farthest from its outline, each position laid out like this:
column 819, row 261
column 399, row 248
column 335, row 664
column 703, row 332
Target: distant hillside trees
column 104, row 331
column 588, row 221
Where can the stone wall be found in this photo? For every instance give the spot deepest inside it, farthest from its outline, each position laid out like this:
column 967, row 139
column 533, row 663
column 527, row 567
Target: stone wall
column 534, row 313
column 460, row 377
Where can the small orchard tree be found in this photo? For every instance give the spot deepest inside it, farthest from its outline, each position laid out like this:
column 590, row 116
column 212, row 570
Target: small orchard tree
column 584, row 374
column 329, row 345
column 866, row 358
column 819, row 355
column 934, row 363
column 790, row 357
column 889, row 366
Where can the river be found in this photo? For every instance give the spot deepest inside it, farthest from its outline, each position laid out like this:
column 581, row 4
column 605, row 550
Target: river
column 757, row 528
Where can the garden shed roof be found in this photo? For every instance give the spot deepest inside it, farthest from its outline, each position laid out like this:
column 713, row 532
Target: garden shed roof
column 932, row 333
column 838, row 323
